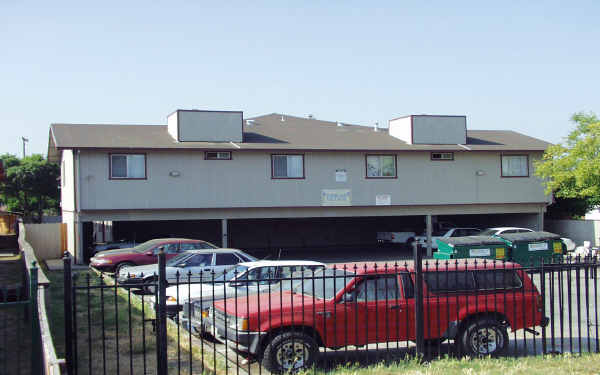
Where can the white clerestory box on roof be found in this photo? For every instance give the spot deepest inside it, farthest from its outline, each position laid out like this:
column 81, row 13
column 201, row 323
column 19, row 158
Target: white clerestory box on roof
column 205, row 126
column 430, row 129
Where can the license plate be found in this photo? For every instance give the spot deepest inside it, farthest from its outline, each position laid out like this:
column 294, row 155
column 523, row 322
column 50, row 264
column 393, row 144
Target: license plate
column 480, row 252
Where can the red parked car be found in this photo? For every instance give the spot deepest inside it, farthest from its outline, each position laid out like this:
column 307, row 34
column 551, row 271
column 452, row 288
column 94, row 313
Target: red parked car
column 472, row 303
column 145, row 253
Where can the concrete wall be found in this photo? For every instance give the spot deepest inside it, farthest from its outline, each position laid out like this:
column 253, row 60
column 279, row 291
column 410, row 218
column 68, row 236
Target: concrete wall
column 245, row 181
column 45, row 240
column 577, row 230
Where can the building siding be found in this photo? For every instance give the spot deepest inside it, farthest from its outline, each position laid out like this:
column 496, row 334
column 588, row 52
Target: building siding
column 245, row 181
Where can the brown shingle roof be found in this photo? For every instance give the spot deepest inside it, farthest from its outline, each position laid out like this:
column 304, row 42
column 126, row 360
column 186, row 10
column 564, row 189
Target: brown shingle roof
column 268, row 132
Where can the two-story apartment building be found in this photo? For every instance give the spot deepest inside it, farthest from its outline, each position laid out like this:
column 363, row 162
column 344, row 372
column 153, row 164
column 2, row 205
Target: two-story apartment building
column 279, row 180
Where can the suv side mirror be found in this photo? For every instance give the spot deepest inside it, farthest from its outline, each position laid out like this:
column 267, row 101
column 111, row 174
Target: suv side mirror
column 348, row 297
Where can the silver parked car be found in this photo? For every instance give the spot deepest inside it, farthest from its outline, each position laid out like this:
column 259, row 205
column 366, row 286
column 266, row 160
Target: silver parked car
column 197, row 265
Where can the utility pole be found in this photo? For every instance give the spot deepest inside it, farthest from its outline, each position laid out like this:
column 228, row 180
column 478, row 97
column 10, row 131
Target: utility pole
column 24, row 141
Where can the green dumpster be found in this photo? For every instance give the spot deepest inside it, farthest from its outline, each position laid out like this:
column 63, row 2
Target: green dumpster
column 529, row 248
column 487, row 247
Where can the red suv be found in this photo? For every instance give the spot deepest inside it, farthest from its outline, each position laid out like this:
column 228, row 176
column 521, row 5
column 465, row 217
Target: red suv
column 144, row 253
column 472, row 302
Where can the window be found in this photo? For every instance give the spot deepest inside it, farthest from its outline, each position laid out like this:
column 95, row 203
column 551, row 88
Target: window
column 407, row 285
column 515, row 166
column 381, row 166
column 127, row 166
column 223, row 155
column 195, row 246
column 469, row 281
column 497, row 279
column 451, row 281
column 287, row 166
column 225, row 259
column 264, row 275
column 199, row 260
column 170, row 248
column 442, row 156
column 384, row 287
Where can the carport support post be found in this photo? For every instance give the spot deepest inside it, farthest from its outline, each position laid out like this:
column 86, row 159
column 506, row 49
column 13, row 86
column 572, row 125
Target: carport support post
column 224, row 242
column 428, row 225
column 161, row 317
column 419, row 326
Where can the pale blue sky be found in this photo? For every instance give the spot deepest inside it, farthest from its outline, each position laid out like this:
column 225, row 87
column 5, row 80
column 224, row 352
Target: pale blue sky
column 525, row 66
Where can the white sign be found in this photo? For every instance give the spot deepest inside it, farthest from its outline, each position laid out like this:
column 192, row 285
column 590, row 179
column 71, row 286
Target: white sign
column 480, row 252
column 336, row 197
column 538, row 246
column 341, row 175
column 383, row 200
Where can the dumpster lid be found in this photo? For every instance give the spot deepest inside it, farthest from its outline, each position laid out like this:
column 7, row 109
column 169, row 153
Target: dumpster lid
column 473, row 240
column 530, row 236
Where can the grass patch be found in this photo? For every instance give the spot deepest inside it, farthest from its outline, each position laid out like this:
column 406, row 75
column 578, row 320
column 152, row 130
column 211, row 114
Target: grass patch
column 115, row 332
column 538, row 365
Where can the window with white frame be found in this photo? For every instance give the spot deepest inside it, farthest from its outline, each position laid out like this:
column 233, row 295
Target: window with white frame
column 287, row 166
column 381, row 166
column 515, row 166
column 127, row 166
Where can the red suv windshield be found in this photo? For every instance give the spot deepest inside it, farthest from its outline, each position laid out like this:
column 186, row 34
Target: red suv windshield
column 325, row 284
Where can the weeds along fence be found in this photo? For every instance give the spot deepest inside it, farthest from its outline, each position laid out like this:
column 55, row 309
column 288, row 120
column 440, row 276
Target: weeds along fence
column 266, row 318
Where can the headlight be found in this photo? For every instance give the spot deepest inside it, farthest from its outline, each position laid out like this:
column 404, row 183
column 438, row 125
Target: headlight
column 240, row 324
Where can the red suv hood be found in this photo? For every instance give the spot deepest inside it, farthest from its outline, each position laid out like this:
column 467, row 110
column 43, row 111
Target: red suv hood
column 275, row 302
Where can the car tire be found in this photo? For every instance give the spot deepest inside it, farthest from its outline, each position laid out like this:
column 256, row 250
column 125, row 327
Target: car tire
column 483, row 337
column 122, row 265
column 289, row 352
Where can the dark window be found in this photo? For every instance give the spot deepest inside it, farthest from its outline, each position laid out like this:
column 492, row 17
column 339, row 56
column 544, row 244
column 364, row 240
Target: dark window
column 199, row 260
column 467, row 281
column 383, row 287
column 226, row 259
column 497, row 279
column 127, row 166
column 451, row 281
column 221, row 155
column 407, row 285
column 287, row 166
column 245, row 258
column 442, row 156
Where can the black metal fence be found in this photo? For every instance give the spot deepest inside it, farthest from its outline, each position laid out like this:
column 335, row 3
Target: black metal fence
column 20, row 341
column 255, row 320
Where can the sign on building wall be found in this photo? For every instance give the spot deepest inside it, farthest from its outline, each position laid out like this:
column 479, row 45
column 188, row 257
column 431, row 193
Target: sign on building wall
column 383, row 200
column 336, row 197
column 341, row 175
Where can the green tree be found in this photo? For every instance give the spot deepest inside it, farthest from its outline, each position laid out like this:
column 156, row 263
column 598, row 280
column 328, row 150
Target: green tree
column 30, row 186
column 572, row 169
